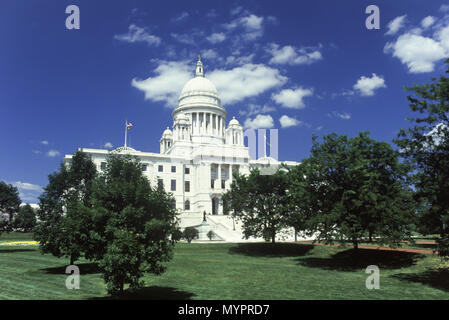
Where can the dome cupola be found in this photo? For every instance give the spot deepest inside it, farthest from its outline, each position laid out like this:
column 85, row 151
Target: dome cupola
column 234, row 123
column 199, row 92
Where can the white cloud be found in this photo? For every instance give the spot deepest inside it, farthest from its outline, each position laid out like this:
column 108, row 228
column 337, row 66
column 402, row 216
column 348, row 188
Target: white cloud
column 28, row 192
column 171, row 76
column 210, row 54
column 239, row 60
column 216, row 37
column 421, row 47
column 260, row 121
column 293, row 56
column 180, row 17
column 108, row 145
column 444, row 8
column 395, row 25
column 245, row 81
column 53, row 153
column 138, row 34
column 366, row 86
column 44, row 142
column 236, row 10
column 442, row 35
column 419, row 53
column 287, row 121
column 37, row 151
column 428, row 21
column 184, row 38
column 168, row 82
column 292, row 98
column 27, row 186
column 344, row 115
column 252, row 22
column 250, row 26
column 256, row 109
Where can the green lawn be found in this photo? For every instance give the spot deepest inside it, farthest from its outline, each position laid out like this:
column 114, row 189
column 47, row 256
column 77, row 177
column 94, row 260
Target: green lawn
column 238, row 271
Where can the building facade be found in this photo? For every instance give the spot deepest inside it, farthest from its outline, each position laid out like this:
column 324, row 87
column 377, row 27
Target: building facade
column 198, row 156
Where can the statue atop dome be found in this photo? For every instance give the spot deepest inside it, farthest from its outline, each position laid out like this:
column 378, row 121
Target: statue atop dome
column 199, row 72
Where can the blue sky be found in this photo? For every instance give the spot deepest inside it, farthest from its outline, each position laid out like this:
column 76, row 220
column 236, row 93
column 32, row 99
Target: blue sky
column 301, row 67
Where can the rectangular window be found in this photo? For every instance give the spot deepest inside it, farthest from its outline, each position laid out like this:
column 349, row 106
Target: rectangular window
column 160, row 183
column 160, row 168
column 212, row 183
column 223, row 184
column 144, row 167
column 187, row 186
column 173, row 168
column 173, row 185
column 187, row 170
column 103, row 165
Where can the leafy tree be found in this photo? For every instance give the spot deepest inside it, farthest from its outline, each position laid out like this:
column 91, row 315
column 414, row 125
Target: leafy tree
column 260, row 202
column 64, row 217
column 25, row 220
column 132, row 224
column 210, row 235
column 302, row 202
column 426, row 146
column 9, row 199
column 190, row 233
column 353, row 189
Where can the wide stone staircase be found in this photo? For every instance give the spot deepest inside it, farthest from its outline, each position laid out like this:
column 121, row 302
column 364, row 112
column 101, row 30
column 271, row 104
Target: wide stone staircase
column 230, row 230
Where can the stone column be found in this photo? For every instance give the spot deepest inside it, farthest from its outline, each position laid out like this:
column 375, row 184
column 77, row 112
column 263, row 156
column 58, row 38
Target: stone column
column 208, row 123
column 219, row 175
column 203, row 123
column 216, row 125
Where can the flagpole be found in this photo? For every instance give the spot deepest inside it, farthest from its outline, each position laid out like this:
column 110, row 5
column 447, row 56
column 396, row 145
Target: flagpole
column 126, row 131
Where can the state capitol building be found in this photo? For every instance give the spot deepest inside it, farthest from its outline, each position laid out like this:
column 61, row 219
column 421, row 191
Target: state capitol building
column 197, row 157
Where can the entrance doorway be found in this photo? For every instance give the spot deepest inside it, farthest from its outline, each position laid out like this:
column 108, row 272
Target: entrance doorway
column 215, row 203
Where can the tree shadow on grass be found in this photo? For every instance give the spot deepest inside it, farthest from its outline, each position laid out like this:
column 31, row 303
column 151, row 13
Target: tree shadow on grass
column 351, row 260
column 271, row 250
column 436, row 278
column 16, row 250
column 85, row 268
column 428, row 246
column 151, row 293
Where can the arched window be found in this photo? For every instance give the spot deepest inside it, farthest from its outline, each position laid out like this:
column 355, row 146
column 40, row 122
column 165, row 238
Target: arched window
column 187, row 205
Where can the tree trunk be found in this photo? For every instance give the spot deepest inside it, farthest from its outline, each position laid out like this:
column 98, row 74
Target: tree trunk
column 370, row 236
column 273, row 238
column 356, row 244
column 72, row 259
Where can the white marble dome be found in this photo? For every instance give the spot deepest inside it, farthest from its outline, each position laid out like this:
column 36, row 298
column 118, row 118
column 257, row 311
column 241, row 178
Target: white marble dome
column 199, row 85
column 199, row 93
column 167, row 133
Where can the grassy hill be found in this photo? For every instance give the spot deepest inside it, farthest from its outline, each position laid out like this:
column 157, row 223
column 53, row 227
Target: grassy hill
column 237, row 271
